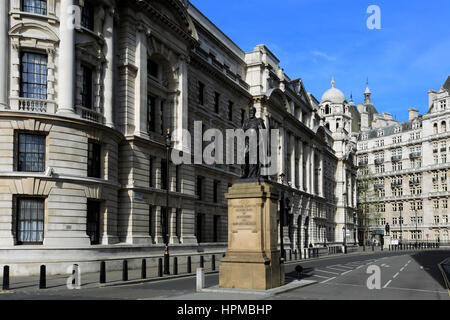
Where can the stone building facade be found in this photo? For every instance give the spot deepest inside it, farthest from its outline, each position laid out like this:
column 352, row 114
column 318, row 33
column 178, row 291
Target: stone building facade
column 405, row 169
column 88, row 91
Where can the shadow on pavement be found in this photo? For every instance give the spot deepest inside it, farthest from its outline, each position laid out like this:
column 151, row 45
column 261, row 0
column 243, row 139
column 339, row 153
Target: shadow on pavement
column 430, row 260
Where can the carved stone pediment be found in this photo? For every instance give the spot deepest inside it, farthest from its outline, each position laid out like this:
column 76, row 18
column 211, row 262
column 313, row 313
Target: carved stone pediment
column 33, row 31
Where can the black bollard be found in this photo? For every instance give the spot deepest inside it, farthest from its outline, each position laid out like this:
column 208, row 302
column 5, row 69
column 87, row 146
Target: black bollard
column 5, row 285
column 103, row 272
column 160, row 268
column 202, row 262
column 290, row 255
column 144, row 269
column 189, row 265
column 42, row 278
column 299, row 271
column 125, row 270
column 213, row 263
column 175, row 265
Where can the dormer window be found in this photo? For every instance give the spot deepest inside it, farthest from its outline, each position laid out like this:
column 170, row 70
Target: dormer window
column 380, row 133
column 443, row 104
column 34, row 6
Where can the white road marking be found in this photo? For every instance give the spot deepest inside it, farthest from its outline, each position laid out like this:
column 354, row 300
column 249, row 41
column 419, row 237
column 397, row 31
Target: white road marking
column 385, row 286
column 346, row 272
column 359, row 267
column 395, row 276
column 402, row 269
column 326, row 271
column 320, row 276
column 328, row 280
column 343, row 267
column 332, row 268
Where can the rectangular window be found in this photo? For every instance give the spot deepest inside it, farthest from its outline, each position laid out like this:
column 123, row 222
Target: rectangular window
column 152, row 68
column 230, row 110
column 94, row 160
column 177, row 179
column 178, row 224
column 93, row 221
column 150, row 174
column 86, row 91
column 216, row 191
column 87, row 16
column 201, row 93
column 150, row 221
column 199, row 227
column 151, row 113
column 216, row 102
column 31, row 152
column 199, row 188
column 34, row 6
column 30, row 220
column 216, row 229
column 33, row 75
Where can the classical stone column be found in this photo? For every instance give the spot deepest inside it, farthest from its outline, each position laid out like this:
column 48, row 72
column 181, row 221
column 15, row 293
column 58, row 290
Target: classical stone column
column 181, row 115
column 66, row 60
column 4, row 65
column 300, row 163
column 281, row 161
column 321, row 176
column 108, row 32
column 141, row 82
column 173, row 239
column 313, row 171
column 158, row 230
column 292, row 160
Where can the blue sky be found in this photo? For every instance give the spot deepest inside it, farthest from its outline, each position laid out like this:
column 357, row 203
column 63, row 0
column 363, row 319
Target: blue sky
column 318, row 39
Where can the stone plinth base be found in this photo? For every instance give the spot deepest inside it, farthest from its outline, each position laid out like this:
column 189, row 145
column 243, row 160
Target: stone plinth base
column 253, row 259
column 387, row 242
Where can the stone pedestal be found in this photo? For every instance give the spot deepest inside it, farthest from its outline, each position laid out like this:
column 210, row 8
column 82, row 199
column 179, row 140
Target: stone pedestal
column 253, row 259
column 387, row 242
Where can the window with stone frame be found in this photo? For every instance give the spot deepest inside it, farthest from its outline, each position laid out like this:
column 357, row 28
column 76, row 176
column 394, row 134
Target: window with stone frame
column 216, row 102
column 201, row 93
column 33, row 75
column 87, row 88
column 31, row 152
column 94, row 159
column 93, row 221
column 34, row 6
column 30, row 219
column 87, row 15
column 230, row 110
column 151, row 113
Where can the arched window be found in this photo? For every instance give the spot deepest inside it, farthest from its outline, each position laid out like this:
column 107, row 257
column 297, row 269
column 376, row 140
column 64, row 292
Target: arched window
column 443, row 126
column 435, row 128
column 327, row 109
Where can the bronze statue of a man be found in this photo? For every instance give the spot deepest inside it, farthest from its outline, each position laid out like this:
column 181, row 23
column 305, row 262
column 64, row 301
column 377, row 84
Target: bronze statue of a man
column 251, row 170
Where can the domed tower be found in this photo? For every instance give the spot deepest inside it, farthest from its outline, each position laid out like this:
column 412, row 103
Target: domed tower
column 334, row 108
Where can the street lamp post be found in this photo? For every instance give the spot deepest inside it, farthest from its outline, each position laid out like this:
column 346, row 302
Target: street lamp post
column 401, row 231
column 345, row 222
column 166, row 214
column 282, row 208
column 417, row 231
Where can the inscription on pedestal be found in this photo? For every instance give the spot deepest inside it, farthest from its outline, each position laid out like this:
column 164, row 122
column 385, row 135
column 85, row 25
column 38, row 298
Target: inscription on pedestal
column 244, row 216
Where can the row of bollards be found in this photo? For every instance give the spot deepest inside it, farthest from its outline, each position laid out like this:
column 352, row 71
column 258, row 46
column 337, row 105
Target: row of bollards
column 144, row 268
column 414, row 246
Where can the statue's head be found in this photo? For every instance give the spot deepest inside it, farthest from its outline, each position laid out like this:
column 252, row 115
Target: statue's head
column 252, row 112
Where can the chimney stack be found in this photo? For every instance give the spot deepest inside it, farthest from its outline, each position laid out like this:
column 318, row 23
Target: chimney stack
column 413, row 113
